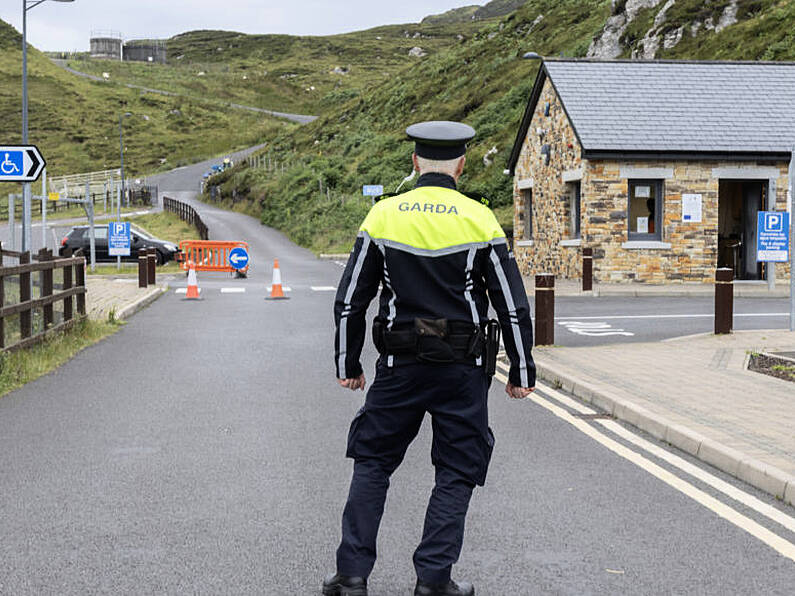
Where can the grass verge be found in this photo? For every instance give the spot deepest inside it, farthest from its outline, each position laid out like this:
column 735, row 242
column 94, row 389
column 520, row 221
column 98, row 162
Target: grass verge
column 22, row 367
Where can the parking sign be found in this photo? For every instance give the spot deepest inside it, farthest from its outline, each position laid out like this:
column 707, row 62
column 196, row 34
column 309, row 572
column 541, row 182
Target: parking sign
column 119, row 239
column 772, row 237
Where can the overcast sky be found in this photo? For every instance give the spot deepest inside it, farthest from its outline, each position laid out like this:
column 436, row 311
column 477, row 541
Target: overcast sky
column 68, row 26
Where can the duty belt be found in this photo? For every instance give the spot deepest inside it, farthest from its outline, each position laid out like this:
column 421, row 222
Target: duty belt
column 439, row 341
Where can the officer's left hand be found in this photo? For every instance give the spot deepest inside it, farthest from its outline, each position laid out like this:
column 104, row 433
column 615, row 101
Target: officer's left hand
column 515, row 392
column 353, row 384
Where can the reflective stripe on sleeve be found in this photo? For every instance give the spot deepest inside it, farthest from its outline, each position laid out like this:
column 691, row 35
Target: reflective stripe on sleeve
column 347, row 304
column 509, row 303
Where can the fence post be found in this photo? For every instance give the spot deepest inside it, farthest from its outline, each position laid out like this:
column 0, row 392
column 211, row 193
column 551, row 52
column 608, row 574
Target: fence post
column 67, row 302
column 151, row 263
column 25, row 318
column 46, row 287
column 587, row 269
column 143, row 275
column 545, row 309
column 724, row 300
column 80, row 275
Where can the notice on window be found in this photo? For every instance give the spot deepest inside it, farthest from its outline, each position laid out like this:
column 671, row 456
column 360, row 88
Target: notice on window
column 642, row 225
column 643, row 192
column 691, row 208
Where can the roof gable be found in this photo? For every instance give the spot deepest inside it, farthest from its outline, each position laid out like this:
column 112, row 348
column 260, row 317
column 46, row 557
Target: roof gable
column 655, row 107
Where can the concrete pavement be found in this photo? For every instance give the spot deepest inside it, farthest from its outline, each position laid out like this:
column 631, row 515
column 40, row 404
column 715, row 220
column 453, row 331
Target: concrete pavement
column 697, row 394
column 203, row 453
column 120, row 295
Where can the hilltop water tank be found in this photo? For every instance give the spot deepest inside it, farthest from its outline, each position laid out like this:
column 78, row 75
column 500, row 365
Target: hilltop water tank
column 145, row 50
column 106, row 47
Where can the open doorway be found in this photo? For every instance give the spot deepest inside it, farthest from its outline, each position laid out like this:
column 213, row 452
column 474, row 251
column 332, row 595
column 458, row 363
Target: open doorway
column 739, row 201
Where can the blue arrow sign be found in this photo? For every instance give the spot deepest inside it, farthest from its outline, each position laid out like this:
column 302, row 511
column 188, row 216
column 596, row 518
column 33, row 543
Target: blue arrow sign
column 20, row 163
column 238, row 258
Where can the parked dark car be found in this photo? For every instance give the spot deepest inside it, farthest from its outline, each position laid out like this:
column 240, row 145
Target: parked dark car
column 77, row 242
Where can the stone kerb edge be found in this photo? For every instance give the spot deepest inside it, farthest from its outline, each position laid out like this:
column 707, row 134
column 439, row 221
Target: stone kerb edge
column 756, row 473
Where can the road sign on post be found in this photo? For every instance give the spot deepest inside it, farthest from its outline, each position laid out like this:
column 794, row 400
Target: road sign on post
column 238, row 258
column 373, row 190
column 119, row 239
column 20, row 163
column 772, row 237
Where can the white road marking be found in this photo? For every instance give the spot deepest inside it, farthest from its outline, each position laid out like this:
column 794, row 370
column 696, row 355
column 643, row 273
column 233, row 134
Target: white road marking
column 600, row 329
column 773, row 540
column 323, row 289
column 233, row 290
column 119, row 280
column 698, row 316
column 731, row 491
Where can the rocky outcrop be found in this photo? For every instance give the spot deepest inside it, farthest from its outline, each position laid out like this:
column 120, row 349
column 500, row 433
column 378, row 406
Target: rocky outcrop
column 608, row 44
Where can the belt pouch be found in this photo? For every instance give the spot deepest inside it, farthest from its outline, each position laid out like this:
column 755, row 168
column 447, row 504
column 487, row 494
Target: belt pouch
column 432, row 341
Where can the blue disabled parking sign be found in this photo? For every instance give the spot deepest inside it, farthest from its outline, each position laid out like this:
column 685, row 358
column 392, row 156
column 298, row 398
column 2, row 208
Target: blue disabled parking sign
column 772, row 237
column 238, row 258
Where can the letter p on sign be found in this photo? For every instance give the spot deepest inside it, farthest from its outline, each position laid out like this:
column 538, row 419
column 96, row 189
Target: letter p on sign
column 774, row 222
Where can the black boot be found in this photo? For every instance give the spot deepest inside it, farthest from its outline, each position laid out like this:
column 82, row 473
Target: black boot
column 448, row 589
column 342, row 585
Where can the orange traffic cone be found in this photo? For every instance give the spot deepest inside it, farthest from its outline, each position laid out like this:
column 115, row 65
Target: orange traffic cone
column 277, row 292
column 193, row 285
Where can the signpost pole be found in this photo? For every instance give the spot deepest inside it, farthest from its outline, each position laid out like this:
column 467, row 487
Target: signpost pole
column 791, row 176
column 118, row 218
column 89, row 206
column 44, row 199
column 25, row 185
column 12, row 224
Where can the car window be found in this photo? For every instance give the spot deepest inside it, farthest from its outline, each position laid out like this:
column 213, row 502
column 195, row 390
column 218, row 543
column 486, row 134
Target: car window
column 141, row 233
column 100, row 233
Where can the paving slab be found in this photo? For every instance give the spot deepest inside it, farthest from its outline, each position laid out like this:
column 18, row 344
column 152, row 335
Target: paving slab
column 697, row 394
column 118, row 294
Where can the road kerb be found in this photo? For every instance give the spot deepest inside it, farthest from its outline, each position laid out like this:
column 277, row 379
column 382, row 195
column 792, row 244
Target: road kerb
column 141, row 303
column 739, row 465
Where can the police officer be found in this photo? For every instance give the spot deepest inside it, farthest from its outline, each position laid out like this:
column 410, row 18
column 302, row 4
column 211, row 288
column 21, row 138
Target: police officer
column 439, row 258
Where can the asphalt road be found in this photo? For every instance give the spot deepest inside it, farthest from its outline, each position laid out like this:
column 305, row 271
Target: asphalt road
column 200, row 450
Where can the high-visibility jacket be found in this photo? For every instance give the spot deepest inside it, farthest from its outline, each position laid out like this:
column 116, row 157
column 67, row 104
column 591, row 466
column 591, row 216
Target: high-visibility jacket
column 437, row 254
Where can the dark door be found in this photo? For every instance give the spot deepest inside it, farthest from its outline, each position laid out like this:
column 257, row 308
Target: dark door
column 753, row 203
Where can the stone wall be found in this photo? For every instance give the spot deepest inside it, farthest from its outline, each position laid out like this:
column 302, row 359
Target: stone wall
column 550, row 203
column 687, row 252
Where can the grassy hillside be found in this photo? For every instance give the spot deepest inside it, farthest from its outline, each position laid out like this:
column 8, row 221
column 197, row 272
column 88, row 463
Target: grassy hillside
column 75, row 121
column 481, row 80
column 281, row 72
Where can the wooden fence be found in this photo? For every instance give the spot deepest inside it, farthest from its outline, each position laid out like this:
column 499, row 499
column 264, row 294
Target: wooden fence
column 28, row 301
column 187, row 214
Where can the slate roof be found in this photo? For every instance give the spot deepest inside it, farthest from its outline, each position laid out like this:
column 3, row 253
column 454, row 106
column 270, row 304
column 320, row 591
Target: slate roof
column 662, row 107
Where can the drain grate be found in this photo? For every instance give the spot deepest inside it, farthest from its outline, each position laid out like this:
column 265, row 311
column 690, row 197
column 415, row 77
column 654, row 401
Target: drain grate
column 594, row 416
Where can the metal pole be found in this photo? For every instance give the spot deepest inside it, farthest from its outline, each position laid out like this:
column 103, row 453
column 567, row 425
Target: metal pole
column 770, row 267
column 89, row 206
column 791, row 176
column 12, row 224
column 121, row 159
column 118, row 218
column 44, row 199
column 26, row 185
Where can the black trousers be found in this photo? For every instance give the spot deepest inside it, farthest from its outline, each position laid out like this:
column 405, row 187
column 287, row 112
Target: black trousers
column 456, row 397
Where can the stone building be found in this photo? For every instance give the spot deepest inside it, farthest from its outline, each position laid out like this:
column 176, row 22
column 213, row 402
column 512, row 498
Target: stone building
column 660, row 167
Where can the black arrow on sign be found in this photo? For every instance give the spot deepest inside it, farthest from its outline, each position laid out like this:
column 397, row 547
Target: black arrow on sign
column 35, row 161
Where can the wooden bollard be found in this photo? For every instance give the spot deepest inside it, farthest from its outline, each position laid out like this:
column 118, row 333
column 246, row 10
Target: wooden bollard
column 151, row 255
column 143, row 273
column 587, row 269
column 724, row 300
column 545, row 309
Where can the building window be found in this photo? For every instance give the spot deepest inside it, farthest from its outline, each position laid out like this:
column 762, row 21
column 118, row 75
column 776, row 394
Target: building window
column 573, row 197
column 645, row 209
column 527, row 212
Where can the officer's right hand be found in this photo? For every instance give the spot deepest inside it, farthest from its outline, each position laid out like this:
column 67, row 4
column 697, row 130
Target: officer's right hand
column 515, row 392
column 353, row 384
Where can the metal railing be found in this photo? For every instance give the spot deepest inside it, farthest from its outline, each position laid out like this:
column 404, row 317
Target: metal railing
column 27, row 300
column 187, row 214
